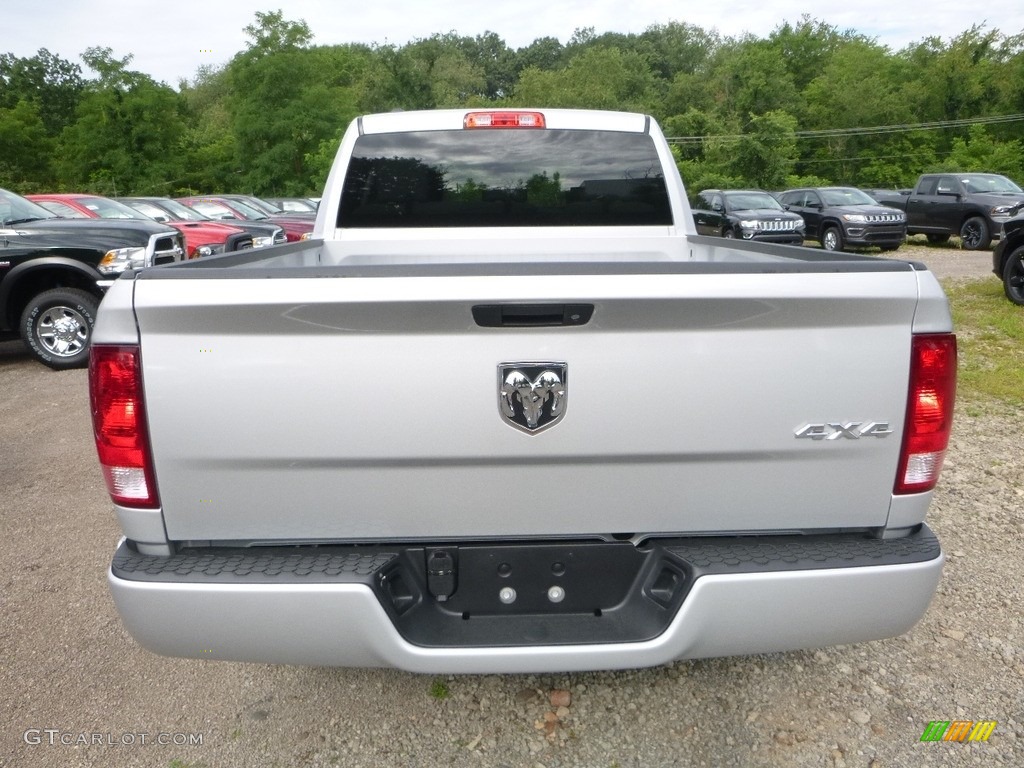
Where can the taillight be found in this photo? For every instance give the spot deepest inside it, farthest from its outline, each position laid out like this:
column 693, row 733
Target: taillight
column 503, row 120
column 929, row 412
column 119, row 425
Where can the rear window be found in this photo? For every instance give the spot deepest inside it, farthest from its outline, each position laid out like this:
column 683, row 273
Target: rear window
column 504, row 178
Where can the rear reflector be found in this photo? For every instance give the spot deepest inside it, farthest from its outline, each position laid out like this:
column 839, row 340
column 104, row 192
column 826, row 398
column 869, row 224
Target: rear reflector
column 119, row 425
column 503, row 120
column 929, row 412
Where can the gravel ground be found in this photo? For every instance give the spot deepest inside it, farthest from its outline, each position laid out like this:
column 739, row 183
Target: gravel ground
column 67, row 666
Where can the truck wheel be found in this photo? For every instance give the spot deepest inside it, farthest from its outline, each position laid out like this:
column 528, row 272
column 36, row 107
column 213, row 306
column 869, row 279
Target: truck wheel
column 974, row 234
column 56, row 326
column 727, row 232
column 1013, row 277
column 937, row 239
column 832, row 239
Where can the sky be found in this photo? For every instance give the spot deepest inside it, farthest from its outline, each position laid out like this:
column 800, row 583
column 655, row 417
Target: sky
column 171, row 39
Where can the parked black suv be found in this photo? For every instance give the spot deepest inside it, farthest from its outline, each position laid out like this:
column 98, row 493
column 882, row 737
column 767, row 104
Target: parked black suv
column 751, row 214
column 844, row 217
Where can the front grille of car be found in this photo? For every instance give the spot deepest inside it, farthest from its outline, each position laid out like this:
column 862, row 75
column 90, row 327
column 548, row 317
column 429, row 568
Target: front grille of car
column 168, row 249
column 280, row 237
column 777, row 226
column 884, row 218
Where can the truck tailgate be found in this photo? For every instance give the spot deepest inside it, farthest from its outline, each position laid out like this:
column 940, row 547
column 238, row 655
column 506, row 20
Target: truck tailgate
column 369, row 408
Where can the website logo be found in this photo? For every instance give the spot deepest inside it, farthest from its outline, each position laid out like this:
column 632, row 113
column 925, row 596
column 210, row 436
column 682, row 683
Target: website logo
column 958, row 730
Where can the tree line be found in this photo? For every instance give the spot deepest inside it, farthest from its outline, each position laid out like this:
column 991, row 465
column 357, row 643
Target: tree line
column 808, row 104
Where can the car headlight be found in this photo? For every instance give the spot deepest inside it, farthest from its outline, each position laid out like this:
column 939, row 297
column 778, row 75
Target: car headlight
column 209, row 250
column 1001, row 210
column 262, row 242
column 306, row 236
column 856, row 218
column 750, row 224
column 117, row 261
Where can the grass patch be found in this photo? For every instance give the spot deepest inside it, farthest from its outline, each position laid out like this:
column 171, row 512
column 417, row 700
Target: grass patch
column 439, row 690
column 990, row 334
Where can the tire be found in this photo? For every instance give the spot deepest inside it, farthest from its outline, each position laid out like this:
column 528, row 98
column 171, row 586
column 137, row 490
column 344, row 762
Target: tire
column 832, row 239
column 728, row 233
column 974, row 234
column 57, row 327
column 936, row 239
column 1013, row 277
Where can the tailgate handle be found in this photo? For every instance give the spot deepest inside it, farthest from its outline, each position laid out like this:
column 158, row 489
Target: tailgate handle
column 531, row 315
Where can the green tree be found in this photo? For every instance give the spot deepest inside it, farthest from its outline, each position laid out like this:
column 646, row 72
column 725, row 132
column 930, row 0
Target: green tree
column 750, row 77
column 126, row 133
column 53, row 84
column 766, row 154
column 596, row 78
column 980, row 152
column 25, row 149
column 207, row 144
column 286, row 98
column 876, row 78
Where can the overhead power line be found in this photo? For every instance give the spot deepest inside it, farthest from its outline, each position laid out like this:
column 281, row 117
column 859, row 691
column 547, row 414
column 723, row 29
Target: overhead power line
column 874, row 130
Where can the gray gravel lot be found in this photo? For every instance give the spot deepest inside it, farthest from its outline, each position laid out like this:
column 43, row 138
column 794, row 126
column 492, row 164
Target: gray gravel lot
column 68, row 671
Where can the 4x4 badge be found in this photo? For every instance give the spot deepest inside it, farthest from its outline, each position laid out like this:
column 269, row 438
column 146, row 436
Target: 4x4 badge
column 532, row 396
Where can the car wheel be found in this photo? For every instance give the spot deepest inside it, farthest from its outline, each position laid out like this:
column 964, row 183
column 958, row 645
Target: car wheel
column 57, row 325
column 937, row 239
column 727, row 232
column 974, row 235
column 1013, row 277
column 832, row 239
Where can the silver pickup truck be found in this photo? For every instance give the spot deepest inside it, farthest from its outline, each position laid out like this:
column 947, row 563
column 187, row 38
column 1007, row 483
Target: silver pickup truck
column 507, row 412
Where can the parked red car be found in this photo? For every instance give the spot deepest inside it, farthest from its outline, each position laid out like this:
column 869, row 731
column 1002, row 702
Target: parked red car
column 221, row 207
column 201, row 238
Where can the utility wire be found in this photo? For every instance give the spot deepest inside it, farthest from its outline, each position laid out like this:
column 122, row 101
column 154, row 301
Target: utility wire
column 874, row 130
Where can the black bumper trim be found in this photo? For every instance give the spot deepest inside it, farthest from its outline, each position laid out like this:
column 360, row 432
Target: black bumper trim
column 262, row 565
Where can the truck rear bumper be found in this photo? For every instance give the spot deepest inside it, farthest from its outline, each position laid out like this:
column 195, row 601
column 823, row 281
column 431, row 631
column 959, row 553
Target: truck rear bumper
column 730, row 608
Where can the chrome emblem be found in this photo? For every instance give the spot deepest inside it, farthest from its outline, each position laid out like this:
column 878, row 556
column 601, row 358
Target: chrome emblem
column 850, row 430
column 532, row 396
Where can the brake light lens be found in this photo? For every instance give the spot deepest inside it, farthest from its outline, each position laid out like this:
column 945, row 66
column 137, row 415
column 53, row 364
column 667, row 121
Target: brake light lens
column 503, row 120
column 929, row 412
column 119, row 425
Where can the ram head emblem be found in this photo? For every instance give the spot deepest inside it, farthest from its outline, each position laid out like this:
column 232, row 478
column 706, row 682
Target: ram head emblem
column 532, row 396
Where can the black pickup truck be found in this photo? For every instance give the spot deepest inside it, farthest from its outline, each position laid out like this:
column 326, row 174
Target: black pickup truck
column 971, row 205
column 54, row 271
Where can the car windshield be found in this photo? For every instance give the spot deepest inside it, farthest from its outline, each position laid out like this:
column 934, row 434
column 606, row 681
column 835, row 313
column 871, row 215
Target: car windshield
column 300, row 206
column 180, row 211
column 989, row 183
column 248, row 211
column 154, row 212
column 15, row 209
column 213, row 210
column 109, row 209
column 747, row 201
column 846, row 196
column 260, row 205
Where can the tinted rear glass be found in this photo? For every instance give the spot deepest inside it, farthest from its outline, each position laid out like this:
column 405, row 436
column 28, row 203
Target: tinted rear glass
column 504, row 178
